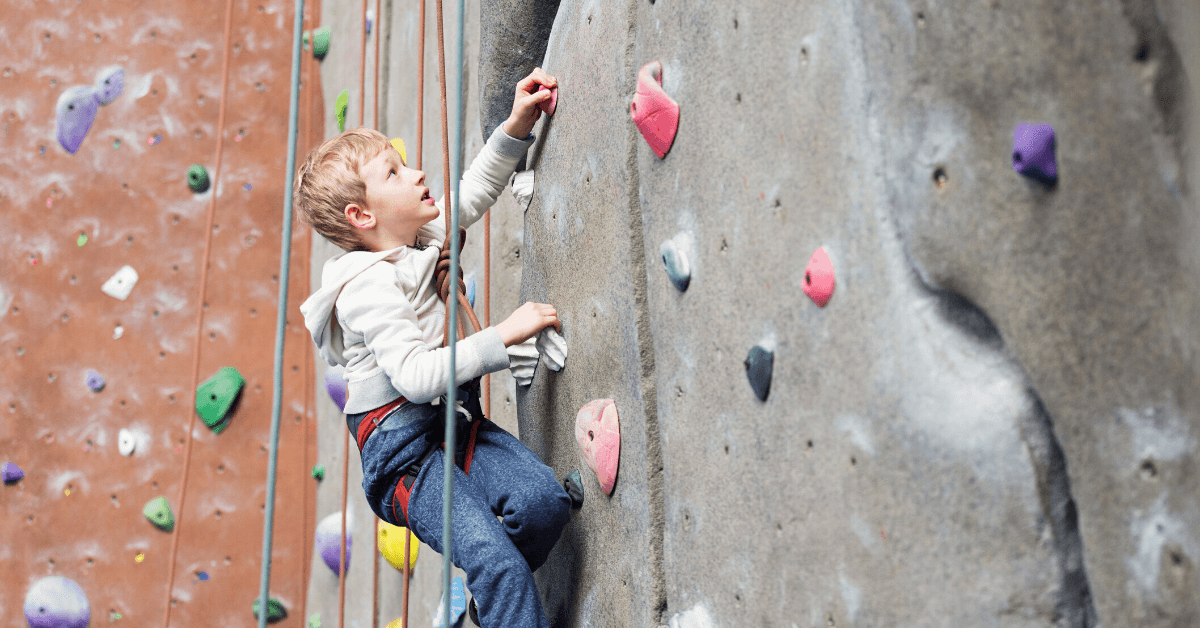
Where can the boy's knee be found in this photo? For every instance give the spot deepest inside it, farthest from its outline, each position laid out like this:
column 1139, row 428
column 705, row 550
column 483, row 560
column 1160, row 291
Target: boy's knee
column 544, row 510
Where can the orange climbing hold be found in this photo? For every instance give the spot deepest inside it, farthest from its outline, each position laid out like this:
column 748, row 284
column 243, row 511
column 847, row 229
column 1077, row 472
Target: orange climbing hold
column 654, row 112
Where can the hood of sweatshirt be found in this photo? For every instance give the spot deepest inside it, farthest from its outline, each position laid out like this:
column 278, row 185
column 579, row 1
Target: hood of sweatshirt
column 318, row 309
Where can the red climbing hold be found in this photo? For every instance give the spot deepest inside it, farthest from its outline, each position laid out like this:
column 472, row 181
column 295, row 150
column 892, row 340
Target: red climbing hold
column 550, row 105
column 598, row 431
column 653, row 111
column 818, row 277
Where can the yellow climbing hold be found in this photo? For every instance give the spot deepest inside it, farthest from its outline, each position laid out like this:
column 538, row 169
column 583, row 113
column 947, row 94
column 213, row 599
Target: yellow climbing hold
column 139, row 558
column 391, row 545
column 398, row 144
column 395, row 623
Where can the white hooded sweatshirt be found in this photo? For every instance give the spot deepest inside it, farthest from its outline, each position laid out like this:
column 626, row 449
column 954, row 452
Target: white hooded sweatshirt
column 379, row 315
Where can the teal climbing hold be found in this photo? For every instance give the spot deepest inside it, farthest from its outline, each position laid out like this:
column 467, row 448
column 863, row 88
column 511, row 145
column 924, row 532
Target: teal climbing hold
column 158, row 511
column 343, row 101
column 275, row 610
column 197, row 178
column 215, row 397
column 320, row 42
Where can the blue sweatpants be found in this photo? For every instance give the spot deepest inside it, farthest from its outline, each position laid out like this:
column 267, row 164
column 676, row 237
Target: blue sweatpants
column 507, row 480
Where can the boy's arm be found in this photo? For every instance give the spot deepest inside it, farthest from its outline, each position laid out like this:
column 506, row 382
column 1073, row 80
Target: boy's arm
column 377, row 308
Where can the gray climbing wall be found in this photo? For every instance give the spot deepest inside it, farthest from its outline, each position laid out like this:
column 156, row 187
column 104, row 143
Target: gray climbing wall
column 993, row 422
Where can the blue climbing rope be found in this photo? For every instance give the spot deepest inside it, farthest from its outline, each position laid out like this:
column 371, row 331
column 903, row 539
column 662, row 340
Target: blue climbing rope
column 285, row 255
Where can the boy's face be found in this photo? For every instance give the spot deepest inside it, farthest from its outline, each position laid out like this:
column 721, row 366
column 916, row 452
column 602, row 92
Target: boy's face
column 397, row 198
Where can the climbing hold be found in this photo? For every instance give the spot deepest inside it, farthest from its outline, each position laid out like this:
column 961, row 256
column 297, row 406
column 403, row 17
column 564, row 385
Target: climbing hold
column 81, row 240
column 471, row 289
column 598, row 432
column 215, row 397
column 202, row 576
column 74, row 114
column 197, row 178
column 522, row 361
column 395, row 623
column 550, row 105
column 126, row 442
column 110, row 82
column 335, row 385
column 676, row 263
column 329, row 531
column 654, row 112
column 522, row 188
column 315, row 621
column 95, row 381
column 458, row 606
column 758, row 370
column 551, row 344
column 370, row 20
column 118, row 331
column 819, row 278
column 247, row 187
column 398, row 144
column 158, row 511
column 121, row 283
column 343, row 101
column 1033, row 152
column 321, row 42
column 56, row 602
column 573, row 484
column 275, row 610
column 318, row 472
column 307, row 38
column 391, row 545
column 11, row 473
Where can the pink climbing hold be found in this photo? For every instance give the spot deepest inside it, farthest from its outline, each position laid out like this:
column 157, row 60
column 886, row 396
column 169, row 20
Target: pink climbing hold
column 818, row 277
column 598, row 430
column 653, row 111
column 550, row 105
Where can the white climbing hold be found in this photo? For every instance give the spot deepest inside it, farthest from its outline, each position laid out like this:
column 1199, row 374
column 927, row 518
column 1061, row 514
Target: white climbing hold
column 121, row 284
column 522, row 361
column 522, row 187
column 551, row 344
column 118, row 331
column 126, row 442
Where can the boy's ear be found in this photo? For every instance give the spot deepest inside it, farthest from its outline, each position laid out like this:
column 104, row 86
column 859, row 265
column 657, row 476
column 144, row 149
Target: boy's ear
column 359, row 216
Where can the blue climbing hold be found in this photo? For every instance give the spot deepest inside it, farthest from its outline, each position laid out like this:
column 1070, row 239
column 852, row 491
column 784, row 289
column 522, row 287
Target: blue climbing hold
column 758, row 370
column 74, row 114
column 1033, row 152
column 56, row 602
column 95, row 381
column 458, row 606
column 110, row 82
column 11, row 473
column 676, row 263
column 471, row 289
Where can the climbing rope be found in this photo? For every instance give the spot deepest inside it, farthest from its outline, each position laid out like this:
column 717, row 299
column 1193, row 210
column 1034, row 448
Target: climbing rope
column 208, row 231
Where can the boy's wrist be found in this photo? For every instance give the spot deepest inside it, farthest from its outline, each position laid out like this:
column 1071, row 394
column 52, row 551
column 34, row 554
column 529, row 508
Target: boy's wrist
column 515, row 129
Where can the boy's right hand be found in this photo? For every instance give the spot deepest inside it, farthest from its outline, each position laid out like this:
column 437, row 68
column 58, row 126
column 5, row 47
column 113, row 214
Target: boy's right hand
column 527, row 322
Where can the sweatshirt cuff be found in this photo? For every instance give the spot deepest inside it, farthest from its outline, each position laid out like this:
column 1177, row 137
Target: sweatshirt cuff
column 507, row 145
column 492, row 353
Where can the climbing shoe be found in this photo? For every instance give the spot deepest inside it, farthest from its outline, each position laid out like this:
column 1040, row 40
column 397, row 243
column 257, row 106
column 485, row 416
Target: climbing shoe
column 474, row 612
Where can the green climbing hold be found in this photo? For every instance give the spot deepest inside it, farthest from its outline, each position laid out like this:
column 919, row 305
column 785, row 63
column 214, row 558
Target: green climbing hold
column 215, row 397
column 314, row 621
column 81, row 240
column 197, row 178
column 275, row 610
column 343, row 101
column 319, row 472
column 158, row 511
column 321, row 42
column 307, row 36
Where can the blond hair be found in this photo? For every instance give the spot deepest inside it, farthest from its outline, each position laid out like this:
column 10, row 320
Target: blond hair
column 329, row 180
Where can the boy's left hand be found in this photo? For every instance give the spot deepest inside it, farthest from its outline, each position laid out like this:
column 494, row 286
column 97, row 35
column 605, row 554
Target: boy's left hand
column 525, row 111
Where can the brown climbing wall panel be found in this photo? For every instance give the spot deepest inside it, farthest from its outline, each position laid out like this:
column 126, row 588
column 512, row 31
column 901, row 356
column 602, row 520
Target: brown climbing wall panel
column 78, row 511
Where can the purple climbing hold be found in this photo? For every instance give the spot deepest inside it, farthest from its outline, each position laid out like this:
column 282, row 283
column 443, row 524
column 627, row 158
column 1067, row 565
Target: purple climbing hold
column 95, row 381
column 56, row 602
column 110, row 82
column 335, row 385
column 74, row 113
column 11, row 473
column 329, row 531
column 1033, row 152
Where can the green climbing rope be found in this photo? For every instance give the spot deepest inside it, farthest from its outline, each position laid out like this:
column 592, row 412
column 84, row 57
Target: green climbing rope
column 281, row 319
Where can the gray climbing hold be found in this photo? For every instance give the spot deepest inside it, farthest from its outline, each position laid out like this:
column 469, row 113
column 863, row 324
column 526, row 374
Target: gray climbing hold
column 676, row 264
column 95, row 381
column 56, row 602
column 197, row 178
column 11, row 473
column 110, row 82
column 158, row 511
column 73, row 116
column 758, row 370
column 573, row 483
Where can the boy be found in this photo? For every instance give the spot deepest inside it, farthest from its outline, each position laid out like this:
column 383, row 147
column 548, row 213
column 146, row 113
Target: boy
column 377, row 313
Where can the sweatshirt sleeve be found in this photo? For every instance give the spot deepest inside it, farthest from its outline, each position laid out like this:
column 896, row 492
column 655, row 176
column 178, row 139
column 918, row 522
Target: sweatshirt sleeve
column 482, row 183
column 377, row 308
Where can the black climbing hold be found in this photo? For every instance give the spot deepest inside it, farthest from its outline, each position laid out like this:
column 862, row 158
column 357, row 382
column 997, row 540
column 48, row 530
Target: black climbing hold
column 215, row 397
column 158, row 511
column 197, row 178
column 574, row 485
column 321, row 42
column 758, row 371
column 275, row 610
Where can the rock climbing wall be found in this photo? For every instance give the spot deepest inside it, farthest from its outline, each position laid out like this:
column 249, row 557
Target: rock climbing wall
column 993, row 419
column 69, row 223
